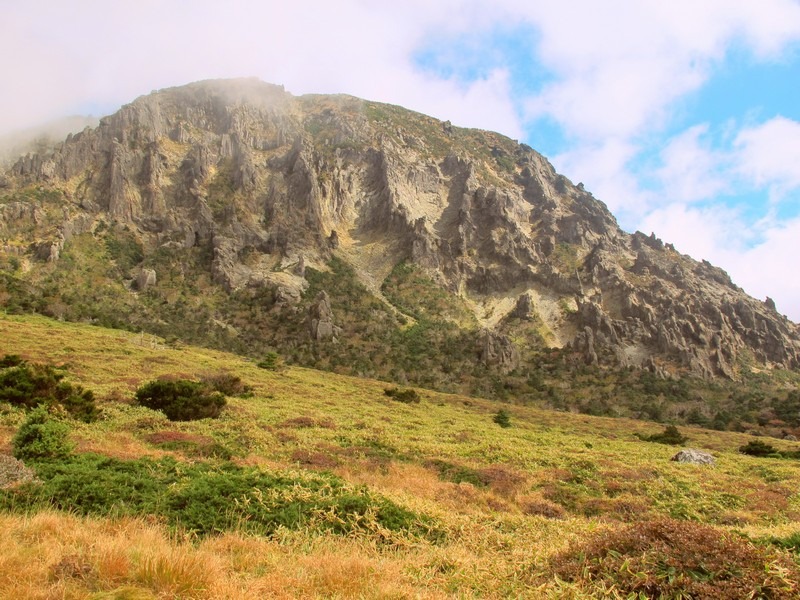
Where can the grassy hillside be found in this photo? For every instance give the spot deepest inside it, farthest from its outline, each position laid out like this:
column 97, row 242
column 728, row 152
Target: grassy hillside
column 390, row 499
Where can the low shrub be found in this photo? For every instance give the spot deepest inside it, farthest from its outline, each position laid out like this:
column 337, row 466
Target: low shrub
column 671, row 435
column 207, row 499
column 41, row 437
column 502, row 418
column 31, row 385
column 677, row 559
column 181, row 399
column 271, row 362
column 11, row 360
column 227, row 384
column 790, row 542
column 14, row 472
column 758, row 448
column 407, row 396
column 458, row 473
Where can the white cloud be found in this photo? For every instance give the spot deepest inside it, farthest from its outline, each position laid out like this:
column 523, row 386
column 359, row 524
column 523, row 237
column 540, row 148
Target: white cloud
column 769, row 155
column 620, row 65
column 692, row 170
column 72, row 54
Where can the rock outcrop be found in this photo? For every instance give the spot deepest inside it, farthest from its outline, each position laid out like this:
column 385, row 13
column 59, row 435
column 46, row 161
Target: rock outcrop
column 320, row 319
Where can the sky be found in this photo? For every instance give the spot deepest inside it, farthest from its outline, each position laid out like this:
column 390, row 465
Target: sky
column 682, row 116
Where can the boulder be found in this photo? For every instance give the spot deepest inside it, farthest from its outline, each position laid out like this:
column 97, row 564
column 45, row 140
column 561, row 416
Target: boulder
column 695, row 457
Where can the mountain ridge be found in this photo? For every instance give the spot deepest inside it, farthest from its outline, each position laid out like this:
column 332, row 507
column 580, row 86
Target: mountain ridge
column 268, row 185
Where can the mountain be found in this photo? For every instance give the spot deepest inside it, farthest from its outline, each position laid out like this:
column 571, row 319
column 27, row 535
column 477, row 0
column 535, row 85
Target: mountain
column 363, row 238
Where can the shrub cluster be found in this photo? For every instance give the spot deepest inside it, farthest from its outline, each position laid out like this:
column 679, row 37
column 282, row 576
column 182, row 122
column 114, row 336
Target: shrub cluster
column 678, row 559
column 671, row 435
column 31, row 385
column 763, row 449
column 40, row 437
column 181, row 399
column 227, row 384
column 207, row 499
column 406, row 396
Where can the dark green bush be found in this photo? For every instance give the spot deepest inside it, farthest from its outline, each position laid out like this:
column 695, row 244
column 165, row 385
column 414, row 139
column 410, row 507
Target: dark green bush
column 758, row 448
column 181, row 399
column 671, row 435
column 407, row 396
column 502, row 418
column 10, row 360
column 31, row 385
column 41, row 437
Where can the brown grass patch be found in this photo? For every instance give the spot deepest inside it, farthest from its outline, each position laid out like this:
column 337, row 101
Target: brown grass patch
column 314, row 460
column 672, row 559
column 307, row 423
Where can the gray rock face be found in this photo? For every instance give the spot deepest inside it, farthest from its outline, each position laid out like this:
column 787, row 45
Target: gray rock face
column 695, row 457
column 498, row 351
column 244, row 169
column 320, row 318
column 145, row 279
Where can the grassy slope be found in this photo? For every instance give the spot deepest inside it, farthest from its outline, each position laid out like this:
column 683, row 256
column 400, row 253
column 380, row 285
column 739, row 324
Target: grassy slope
column 590, row 472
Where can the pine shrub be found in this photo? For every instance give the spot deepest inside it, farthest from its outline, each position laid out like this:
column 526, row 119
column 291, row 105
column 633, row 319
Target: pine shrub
column 41, row 437
column 502, row 418
column 181, row 399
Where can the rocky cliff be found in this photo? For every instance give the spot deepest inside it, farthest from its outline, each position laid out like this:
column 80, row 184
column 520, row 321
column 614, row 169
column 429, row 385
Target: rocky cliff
column 271, row 184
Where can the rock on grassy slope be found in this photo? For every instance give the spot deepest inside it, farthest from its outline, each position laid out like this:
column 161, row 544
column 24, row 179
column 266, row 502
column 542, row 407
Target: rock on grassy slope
column 515, row 509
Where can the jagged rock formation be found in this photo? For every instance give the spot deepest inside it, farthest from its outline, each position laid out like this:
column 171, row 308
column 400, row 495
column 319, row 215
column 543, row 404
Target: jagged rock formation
column 320, row 319
column 271, row 184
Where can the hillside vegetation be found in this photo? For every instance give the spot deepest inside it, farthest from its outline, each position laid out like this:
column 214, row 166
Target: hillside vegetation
column 313, row 484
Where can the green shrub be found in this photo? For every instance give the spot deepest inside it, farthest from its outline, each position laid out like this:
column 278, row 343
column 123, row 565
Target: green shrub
column 31, row 385
column 758, row 448
column 671, row 435
column 270, row 362
column 206, row 499
column 407, row 396
column 790, row 543
column 181, row 399
column 40, row 437
column 502, row 418
column 10, row 360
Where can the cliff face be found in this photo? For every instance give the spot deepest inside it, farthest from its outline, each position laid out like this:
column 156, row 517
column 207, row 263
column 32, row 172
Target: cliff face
column 272, row 183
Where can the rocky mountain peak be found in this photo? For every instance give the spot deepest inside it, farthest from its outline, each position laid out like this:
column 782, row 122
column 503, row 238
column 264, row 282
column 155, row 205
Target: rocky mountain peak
column 265, row 180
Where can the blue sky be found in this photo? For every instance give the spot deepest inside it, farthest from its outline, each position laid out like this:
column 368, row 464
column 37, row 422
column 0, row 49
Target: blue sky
column 682, row 116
